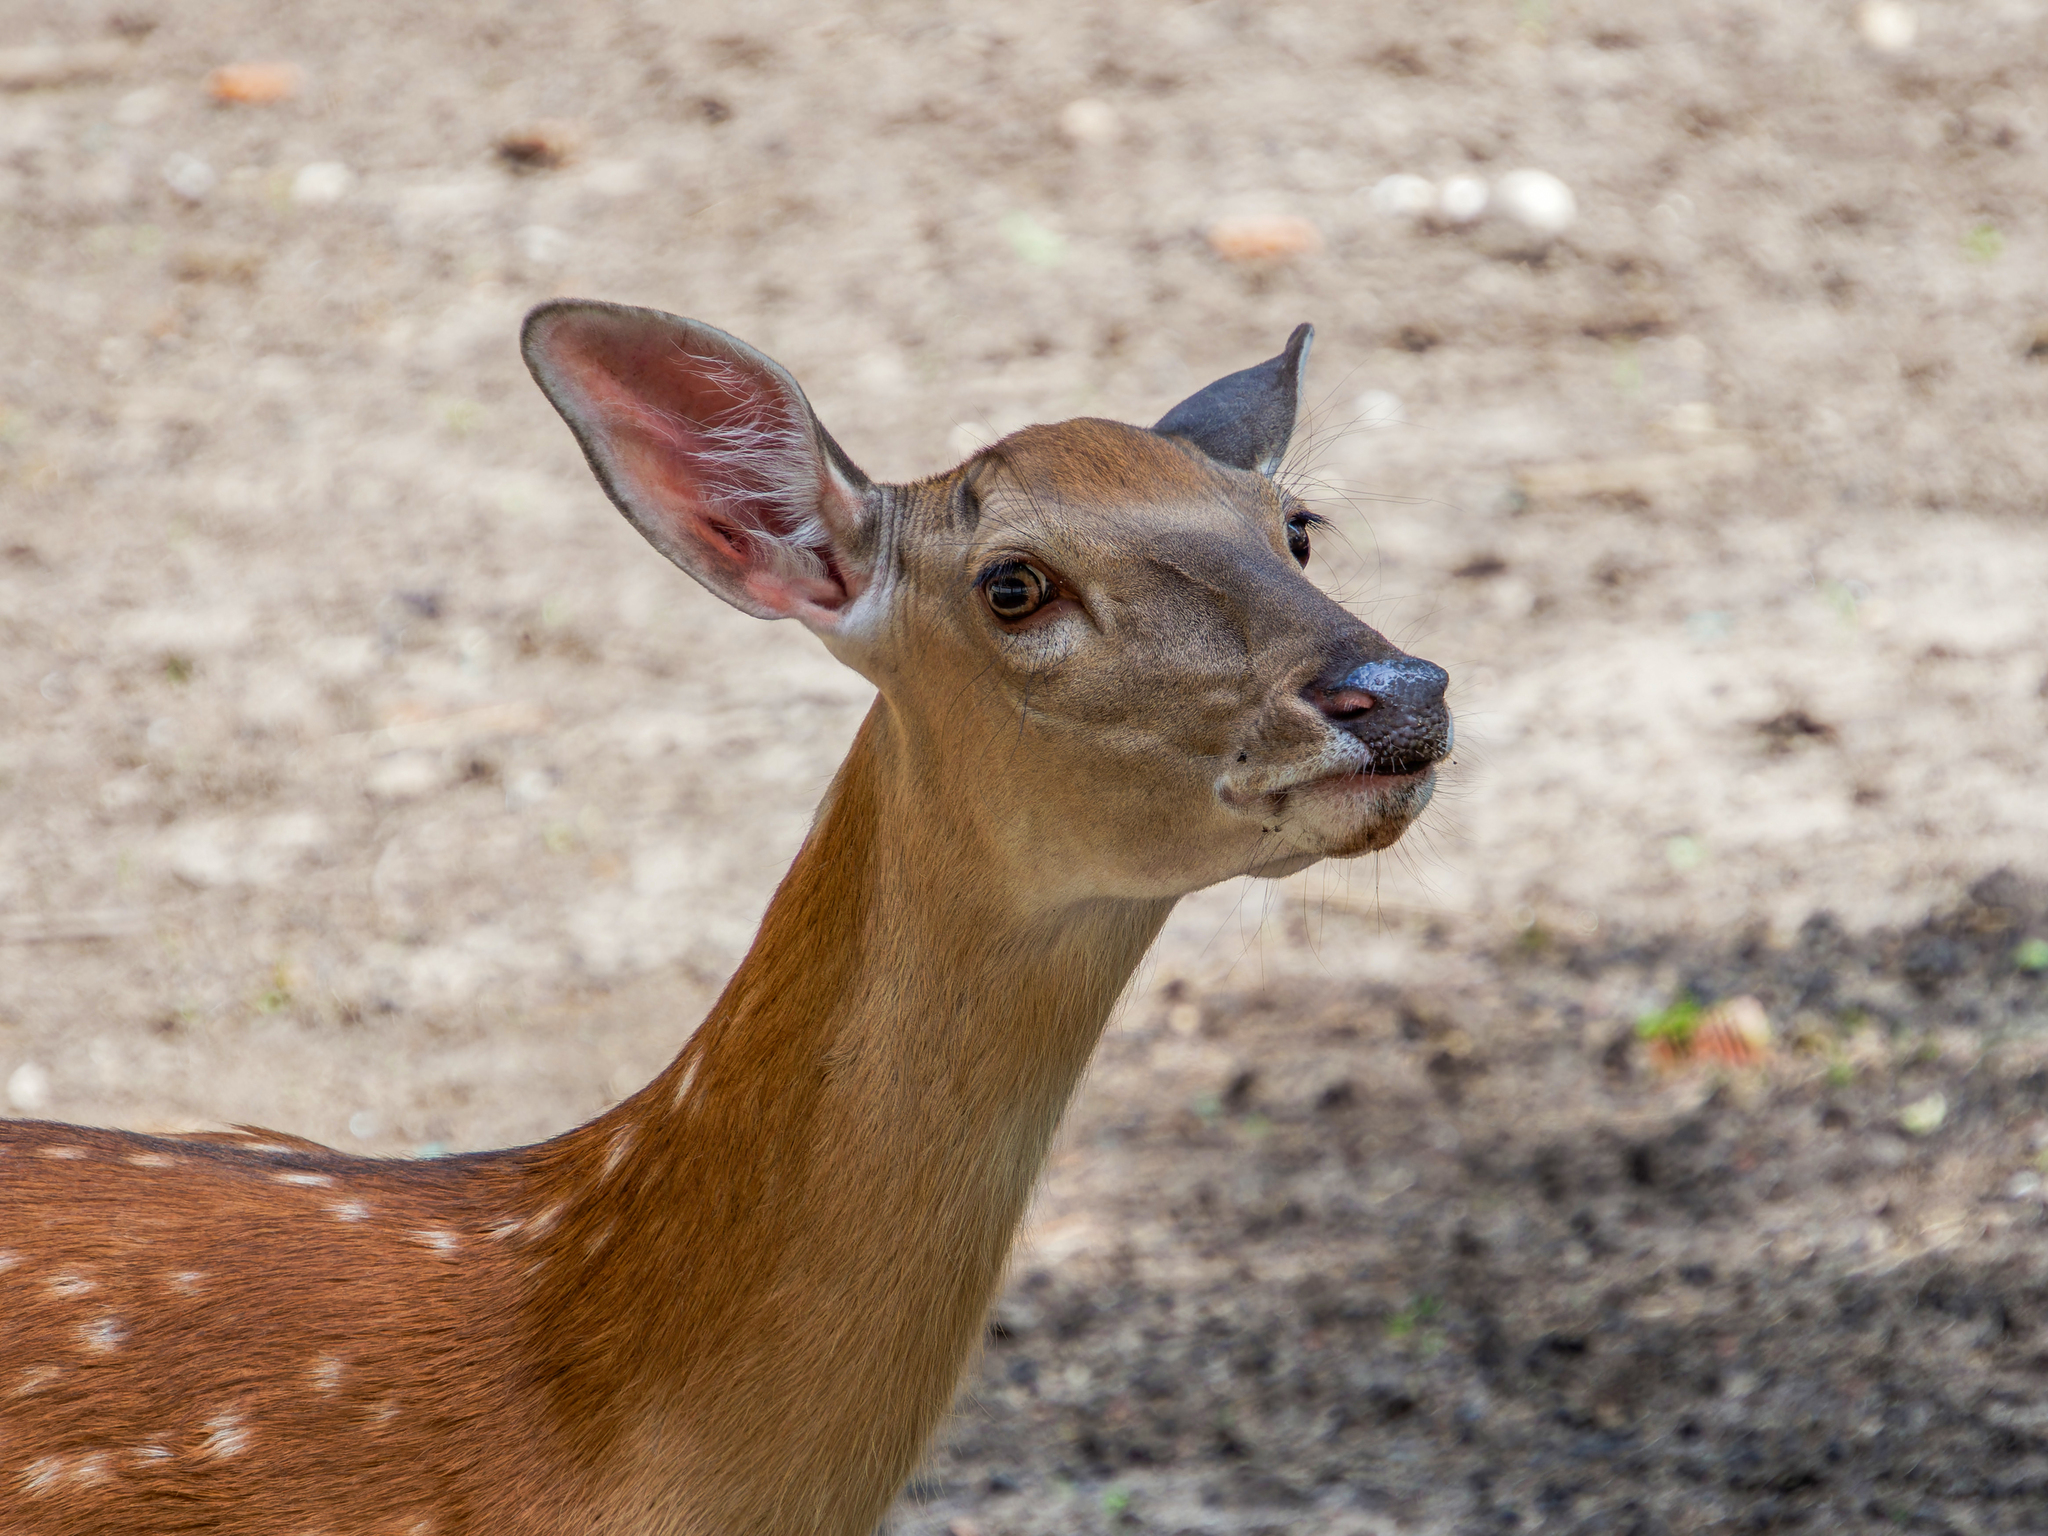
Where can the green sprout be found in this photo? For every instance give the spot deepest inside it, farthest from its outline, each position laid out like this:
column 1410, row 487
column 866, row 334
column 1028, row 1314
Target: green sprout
column 1674, row 1024
column 1984, row 242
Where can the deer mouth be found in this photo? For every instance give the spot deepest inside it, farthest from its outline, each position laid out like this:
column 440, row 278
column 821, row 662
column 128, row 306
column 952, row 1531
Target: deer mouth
column 1383, row 797
column 1345, row 780
column 1361, row 781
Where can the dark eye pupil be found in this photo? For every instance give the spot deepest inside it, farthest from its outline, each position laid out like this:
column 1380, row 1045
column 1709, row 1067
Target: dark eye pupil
column 1015, row 592
column 1297, row 542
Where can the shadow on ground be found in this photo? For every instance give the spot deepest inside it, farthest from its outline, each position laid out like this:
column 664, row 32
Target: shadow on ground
column 1466, row 1262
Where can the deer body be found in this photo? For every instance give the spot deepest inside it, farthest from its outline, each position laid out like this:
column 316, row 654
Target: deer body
column 740, row 1300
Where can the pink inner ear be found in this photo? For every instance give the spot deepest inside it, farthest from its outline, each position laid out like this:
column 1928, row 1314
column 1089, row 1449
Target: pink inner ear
column 708, row 447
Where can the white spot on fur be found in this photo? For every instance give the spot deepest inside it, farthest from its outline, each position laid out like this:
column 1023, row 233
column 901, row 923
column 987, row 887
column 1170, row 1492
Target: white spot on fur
column 437, row 1238
column 544, row 1223
column 64, row 1154
column 684, row 1083
column 615, row 1154
column 69, row 1286
column 350, row 1210
column 92, row 1469
column 385, row 1411
column 42, row 1474
column 597, row 1243
column 326, row 1372
column 8, row 1260
column 310, row 1180
column 186, row 1282
column 102, row 1337
column 266, row 1146
column 503, row 1228
column 153, row 1160
column 35, row 1378
column 149, row 1455
column 226, row 1436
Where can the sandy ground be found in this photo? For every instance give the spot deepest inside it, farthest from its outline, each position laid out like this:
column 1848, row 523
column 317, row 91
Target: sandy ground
column 363, row 775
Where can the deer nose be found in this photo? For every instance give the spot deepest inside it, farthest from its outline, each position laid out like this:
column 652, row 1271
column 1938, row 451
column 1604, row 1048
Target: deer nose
column 1394, row 707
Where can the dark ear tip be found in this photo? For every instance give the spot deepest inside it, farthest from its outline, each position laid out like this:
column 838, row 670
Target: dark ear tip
column 1296, row 352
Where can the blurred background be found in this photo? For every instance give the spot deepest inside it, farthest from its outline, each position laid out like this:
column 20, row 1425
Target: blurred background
column 1679, row 385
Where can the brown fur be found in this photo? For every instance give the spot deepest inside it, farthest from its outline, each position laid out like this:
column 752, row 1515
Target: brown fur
column 739, row 1301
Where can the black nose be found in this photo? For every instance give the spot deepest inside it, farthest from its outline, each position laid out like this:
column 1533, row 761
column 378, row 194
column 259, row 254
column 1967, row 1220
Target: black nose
column 1394, row 706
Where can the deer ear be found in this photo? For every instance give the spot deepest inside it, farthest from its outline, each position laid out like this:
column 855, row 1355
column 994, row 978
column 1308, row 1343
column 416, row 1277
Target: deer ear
column 1246, row 419
column 712, row 452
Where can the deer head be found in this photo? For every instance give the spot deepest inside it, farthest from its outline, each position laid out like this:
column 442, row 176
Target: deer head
column 1095, row 642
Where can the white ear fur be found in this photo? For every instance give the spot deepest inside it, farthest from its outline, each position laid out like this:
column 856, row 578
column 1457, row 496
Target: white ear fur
column 712, row 452
column 760, row 457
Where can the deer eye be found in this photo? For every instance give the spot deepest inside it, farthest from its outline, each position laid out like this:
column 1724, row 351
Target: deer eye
column 1297, row 539
column 1015, row 590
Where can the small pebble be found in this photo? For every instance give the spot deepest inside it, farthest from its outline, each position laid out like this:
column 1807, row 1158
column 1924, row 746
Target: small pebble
column 1088, row 121
column 543, row 145
column 1463, row 199
column 28, row 1087
column 405, row 776
column 1402, row 196
column 322, row 182
column 1923, row 1117
column 1889, row 26
column 255, row 85
column 1277, row 237
column 1537, row 201
column 189, row 176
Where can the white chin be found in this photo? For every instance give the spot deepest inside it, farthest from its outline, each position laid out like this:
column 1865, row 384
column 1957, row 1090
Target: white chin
column 1348, row 815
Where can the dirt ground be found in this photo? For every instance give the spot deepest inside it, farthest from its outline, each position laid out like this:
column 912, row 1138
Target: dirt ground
column 363, row 775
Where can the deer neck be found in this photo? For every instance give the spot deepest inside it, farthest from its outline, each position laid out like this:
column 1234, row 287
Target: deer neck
column 768, row 1268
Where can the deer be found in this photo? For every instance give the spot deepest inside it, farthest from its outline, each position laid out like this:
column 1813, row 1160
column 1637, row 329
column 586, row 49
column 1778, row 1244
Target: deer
column 741, row 1300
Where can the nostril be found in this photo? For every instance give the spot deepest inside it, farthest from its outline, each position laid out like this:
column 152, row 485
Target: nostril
column 1342, row 703
column 1407, row 682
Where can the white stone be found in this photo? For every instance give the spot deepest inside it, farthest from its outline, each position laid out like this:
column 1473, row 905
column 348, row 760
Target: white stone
column 230, row 852
column 530, row 786
column 1537, row 201
column 321, row 183
column 1089, row 121
column 1889, row 26
column 1463, row 199
column 405, row 776
column 28, row 1088
column 1402, row 196
column 189, row 176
